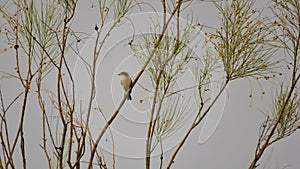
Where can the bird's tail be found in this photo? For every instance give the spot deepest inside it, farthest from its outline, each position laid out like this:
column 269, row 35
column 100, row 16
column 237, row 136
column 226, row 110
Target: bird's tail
column 129, row 97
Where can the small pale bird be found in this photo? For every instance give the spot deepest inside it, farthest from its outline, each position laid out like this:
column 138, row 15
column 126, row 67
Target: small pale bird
column 126, row 83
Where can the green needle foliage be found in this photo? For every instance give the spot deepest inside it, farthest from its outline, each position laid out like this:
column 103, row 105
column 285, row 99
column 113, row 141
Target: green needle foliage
column 171, row 117
column 243, row 40
column 171, row 56
column 290, row 119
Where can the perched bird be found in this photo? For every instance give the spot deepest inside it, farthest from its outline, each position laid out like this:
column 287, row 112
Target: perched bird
column 126, row 83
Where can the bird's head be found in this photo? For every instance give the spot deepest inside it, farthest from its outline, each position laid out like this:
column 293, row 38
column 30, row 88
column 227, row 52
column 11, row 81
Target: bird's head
column 124, row 74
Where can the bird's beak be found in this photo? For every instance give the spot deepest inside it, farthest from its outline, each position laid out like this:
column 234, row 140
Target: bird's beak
column 119, row 74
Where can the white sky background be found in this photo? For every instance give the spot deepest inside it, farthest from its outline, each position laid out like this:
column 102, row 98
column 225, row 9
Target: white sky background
column 231, row 146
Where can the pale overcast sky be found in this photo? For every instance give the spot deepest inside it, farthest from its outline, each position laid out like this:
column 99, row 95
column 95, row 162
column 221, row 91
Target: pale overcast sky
column 230, row 146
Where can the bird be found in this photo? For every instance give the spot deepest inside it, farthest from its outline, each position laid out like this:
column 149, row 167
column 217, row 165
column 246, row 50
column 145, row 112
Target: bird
column 126, row 83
